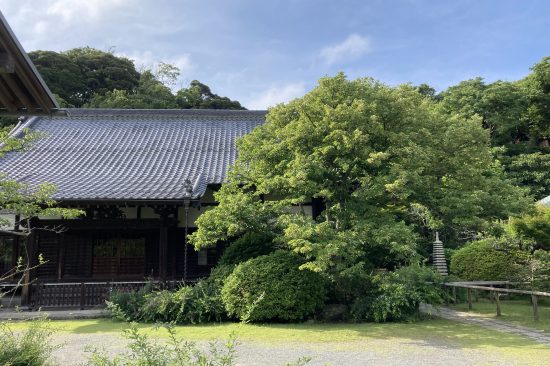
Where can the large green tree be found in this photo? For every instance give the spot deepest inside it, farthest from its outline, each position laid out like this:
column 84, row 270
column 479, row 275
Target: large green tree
column 537, row 88
column 516, row 115
column 77, row 74
column 199, row 95
column 388, row 165
column 150, row 93
column 63, row 76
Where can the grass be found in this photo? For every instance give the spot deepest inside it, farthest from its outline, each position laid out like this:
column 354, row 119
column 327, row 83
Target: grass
column 517, row 311
column 440, row 333
column 433, row 329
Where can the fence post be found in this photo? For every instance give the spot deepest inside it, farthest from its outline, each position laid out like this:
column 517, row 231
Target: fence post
column 496, row 296
column 534, row 300
column 454, row 294
column 469, row 292
column 82, row 295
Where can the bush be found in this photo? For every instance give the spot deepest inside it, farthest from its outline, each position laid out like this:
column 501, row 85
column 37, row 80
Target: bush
column 126, row 305
column 480, row 261
column 165, row 306
column 272, row 287
column 199, row 303
column 31, row 347
column 144, row 351
column 398, row 295
column 248, row 246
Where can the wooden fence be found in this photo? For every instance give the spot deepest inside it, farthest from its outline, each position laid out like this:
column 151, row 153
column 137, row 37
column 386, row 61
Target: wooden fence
column 495, row 293
column 81, row 295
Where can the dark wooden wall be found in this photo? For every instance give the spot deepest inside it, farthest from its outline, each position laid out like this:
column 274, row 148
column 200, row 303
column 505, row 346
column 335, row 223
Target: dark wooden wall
column 70, row 256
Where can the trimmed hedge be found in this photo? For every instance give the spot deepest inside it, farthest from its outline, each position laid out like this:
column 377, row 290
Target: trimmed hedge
column 248, row 246
column 480, row 261
column 273, row 288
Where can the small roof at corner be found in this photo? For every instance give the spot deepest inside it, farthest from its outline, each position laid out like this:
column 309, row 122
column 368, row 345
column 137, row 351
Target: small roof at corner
column 545, row 201
column 22, row 89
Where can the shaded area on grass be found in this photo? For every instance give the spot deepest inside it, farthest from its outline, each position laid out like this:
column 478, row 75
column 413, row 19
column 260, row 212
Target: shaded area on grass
column 517, row 311
column 433, row 331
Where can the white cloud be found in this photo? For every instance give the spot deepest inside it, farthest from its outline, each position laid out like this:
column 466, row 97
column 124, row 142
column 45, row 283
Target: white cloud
column 70, row 11
column 277, row 94
column 351, row 48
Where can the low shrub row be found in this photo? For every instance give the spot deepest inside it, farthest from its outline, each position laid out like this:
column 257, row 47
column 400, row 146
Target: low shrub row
column 199, row 303
column 272, row 287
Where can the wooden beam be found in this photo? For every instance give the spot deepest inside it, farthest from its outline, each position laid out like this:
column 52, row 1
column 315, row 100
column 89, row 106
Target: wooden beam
column 4, row 98
column 20, row 93
column 43, row 102
column 7, row 63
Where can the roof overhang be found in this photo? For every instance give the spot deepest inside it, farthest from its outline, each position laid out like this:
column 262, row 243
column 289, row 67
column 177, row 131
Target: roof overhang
column 22, row 89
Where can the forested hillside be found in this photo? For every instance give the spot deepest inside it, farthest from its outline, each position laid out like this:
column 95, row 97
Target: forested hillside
column 86, row 77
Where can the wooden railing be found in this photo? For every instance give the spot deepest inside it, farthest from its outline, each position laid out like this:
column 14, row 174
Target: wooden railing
column 495, row 293
column 81, row 295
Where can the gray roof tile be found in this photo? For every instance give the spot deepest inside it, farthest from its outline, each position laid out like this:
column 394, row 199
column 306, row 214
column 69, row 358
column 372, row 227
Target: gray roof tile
column 105, row 154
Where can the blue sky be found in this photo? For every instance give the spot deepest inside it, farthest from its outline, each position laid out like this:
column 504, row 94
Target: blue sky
column 265, row 52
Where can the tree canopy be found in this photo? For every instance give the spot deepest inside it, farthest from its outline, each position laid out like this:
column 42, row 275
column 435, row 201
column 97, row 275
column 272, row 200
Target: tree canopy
column 518, row 119
column 388, row 165
column 87, row 77
column 77, row 74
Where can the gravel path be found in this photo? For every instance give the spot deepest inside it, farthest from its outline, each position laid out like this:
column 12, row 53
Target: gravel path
column 368, row 351
column 365, row 352
column 487, row 322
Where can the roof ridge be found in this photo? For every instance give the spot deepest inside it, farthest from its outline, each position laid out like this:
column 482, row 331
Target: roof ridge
column 103, row 112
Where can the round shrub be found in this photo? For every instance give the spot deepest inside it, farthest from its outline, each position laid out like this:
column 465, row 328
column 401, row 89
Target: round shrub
column 272, row 287
column 480, row 261
column 248, row 246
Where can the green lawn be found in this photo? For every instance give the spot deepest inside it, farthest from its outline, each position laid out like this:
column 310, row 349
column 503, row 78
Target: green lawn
column 434, row 331
column 466, row 335
column 513, row 311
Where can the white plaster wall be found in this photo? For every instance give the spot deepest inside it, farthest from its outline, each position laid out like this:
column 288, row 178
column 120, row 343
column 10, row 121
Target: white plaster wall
column 148, row 213
column 129, row 212
column 194, row 213
column 306, row 210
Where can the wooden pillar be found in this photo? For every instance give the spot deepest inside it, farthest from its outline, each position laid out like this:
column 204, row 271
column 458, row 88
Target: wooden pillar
column 30, row 273
column 60, row 256
column 163, row 249
column 454, row 295
column 534, row 300
column 496, row 296
column 469, row 292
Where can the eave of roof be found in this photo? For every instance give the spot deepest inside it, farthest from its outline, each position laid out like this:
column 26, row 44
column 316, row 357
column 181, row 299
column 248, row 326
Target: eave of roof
column 22, row 89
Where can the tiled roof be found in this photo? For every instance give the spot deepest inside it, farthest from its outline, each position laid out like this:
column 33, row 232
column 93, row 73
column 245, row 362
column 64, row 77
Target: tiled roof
column 101, row 154
column 545, row 201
